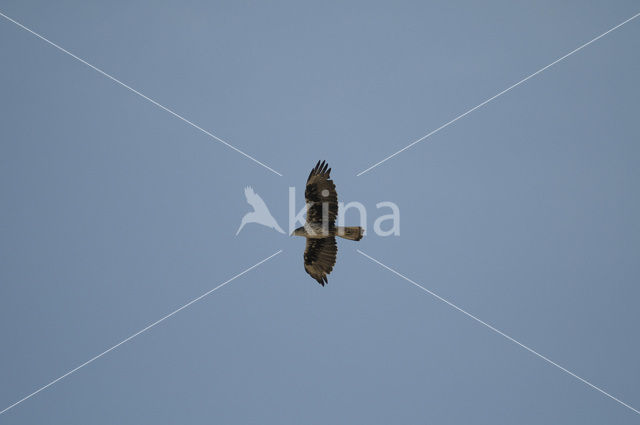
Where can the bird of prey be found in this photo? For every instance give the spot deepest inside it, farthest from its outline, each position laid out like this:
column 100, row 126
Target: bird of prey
column 320, row 229
column 260, row 213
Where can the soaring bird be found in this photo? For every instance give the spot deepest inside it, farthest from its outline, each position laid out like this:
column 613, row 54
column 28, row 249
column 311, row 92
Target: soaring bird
column 320, row 229
column 260, row 213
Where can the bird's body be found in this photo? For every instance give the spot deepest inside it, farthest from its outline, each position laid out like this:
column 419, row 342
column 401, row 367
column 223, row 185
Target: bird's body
column 320, row 229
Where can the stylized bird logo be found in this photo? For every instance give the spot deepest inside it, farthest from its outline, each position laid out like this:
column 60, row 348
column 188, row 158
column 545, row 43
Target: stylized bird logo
column 260, row 213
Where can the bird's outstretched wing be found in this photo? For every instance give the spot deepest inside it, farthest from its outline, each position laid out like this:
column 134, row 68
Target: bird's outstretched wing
column 320, row 189
column 320, row 257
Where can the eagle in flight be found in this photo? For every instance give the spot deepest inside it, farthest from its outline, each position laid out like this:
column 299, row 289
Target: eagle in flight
column 320, row 229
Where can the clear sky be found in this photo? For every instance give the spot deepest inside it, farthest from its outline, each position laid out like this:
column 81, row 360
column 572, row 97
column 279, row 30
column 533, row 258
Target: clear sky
column 115, row 213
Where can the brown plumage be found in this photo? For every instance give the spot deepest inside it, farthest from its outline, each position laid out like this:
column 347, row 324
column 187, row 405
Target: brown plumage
column 320, row 257
column 320, row 229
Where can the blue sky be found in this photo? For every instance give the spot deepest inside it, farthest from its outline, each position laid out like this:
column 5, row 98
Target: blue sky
column 115, row 213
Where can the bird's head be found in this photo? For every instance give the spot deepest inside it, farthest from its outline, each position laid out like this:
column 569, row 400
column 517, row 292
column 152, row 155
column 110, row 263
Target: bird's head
column 299, row 232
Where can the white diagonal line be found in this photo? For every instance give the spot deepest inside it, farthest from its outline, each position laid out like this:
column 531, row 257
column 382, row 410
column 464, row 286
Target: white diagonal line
column 138, row 333
column 175, row 114
column 498, row 95
column 499, row 332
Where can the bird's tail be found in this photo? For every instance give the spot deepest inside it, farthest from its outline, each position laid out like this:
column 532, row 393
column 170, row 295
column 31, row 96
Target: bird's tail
column 352, row 233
